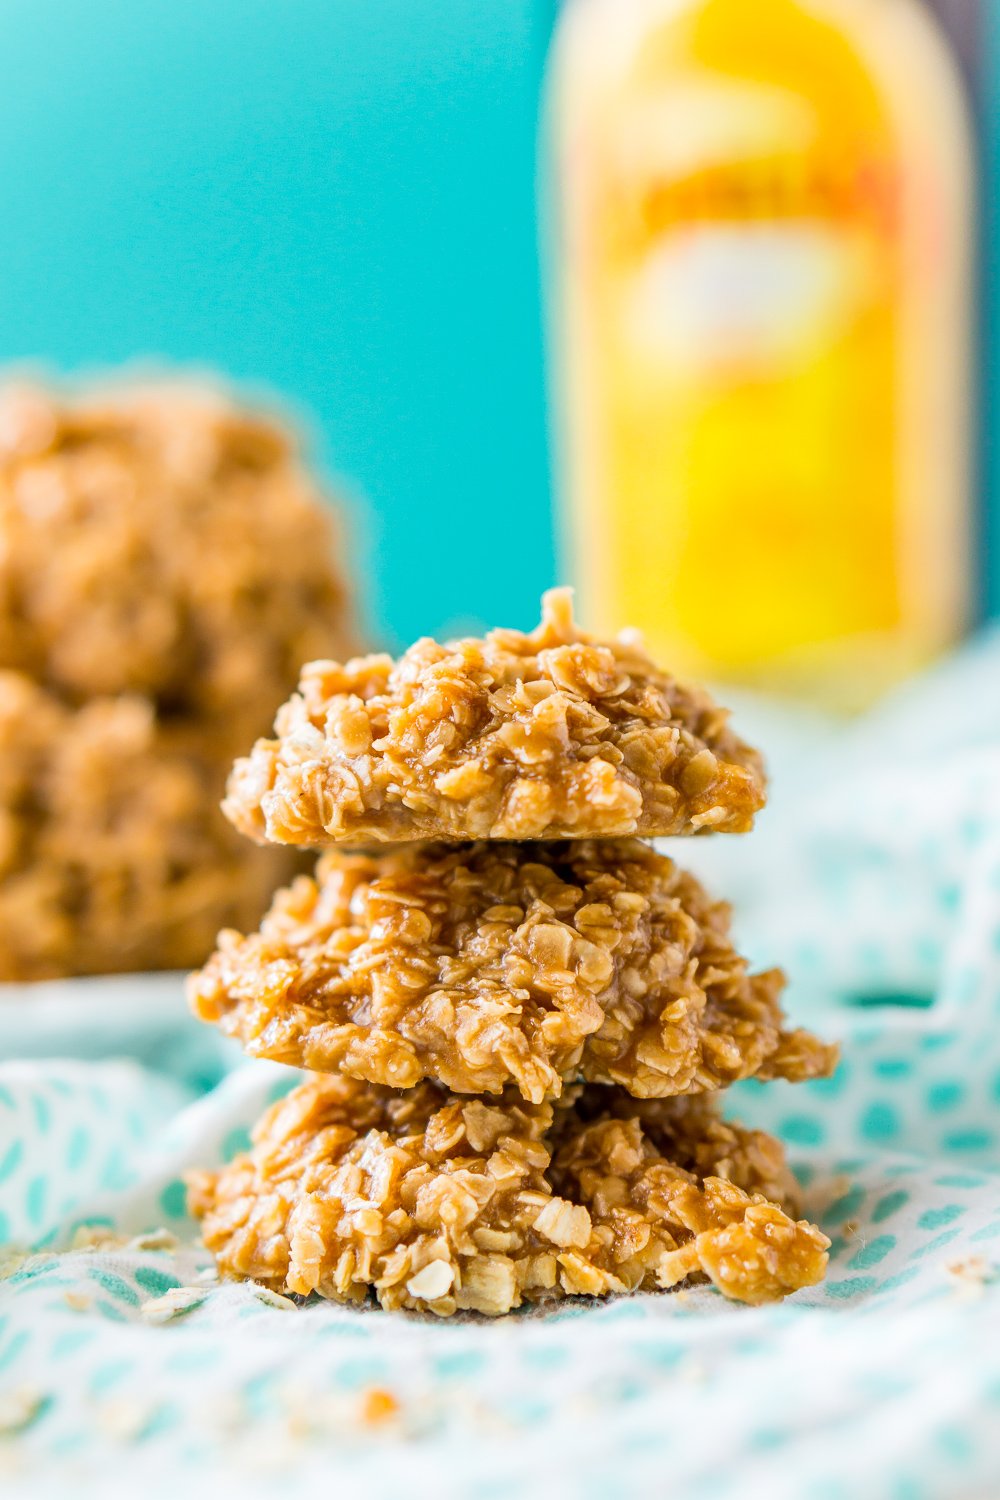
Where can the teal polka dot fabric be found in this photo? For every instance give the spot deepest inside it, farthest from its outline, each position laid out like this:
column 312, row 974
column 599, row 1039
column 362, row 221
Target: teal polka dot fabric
column 874, row 878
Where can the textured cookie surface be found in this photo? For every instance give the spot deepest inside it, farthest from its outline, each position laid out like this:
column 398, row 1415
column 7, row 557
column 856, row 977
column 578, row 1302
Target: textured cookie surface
column 113, row 852
column 495, row 964
column 162, row 542
column 165, row 565
column 443, row 1204
column 513, row 736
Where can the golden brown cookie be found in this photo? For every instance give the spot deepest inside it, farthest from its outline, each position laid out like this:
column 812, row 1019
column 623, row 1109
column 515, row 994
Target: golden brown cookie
column 492, row 964
column 163, row 542
column 690, row 1131
column 538, row 736
column 113, row 852
column 444, row 1204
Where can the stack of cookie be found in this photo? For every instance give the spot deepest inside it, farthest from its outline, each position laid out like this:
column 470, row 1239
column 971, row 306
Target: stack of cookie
column 517, row 1016
column 165, row 564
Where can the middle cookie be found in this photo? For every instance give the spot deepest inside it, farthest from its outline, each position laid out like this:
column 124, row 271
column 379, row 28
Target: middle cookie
column 495, row 963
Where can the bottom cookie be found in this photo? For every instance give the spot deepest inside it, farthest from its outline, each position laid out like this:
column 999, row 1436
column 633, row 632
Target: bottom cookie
column 440, row 1203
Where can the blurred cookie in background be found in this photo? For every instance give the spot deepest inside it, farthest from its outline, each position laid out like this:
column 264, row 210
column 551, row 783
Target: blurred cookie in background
column 112, row 853
column 166, row 562
column 164, row 542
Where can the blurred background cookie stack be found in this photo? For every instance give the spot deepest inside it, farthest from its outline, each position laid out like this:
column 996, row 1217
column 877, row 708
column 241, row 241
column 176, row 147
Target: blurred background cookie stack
column 165, row 564
column 517, row 1014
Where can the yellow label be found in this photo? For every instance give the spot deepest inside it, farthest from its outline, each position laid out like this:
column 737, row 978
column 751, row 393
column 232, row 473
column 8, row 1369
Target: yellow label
column 738, row 263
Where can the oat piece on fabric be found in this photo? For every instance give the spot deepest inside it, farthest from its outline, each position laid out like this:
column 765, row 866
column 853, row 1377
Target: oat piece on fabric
column 113, row 852
column 165, row 542
column 514, row 736
column 443, row 1204
column 485, row 965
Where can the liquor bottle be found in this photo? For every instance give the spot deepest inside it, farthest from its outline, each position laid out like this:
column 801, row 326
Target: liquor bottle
column 760, row 290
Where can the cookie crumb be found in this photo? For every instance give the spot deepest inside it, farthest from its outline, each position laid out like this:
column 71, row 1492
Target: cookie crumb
column 972, row 1275
column 78, row 1301
column 378, row 1406
column 19, row 1408
column 173, row 1304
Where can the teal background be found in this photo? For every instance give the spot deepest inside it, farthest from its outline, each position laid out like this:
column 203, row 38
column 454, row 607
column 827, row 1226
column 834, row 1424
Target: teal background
column 333, row 199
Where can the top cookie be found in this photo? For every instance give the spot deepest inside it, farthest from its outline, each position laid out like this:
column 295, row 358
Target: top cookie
column 539, row 736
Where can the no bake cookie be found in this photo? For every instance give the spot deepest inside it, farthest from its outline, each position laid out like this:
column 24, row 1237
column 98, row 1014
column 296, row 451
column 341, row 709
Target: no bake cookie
column 163, row 542
column 113, row 853
column 443, row 1204
column 165, row 565
column 538, row 736
column 494, row 964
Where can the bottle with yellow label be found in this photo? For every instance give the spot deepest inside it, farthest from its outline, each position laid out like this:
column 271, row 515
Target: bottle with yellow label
column 761, row 284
